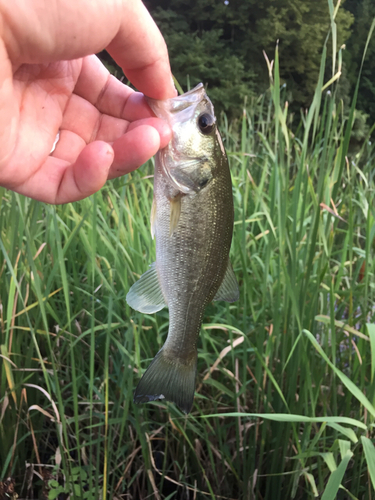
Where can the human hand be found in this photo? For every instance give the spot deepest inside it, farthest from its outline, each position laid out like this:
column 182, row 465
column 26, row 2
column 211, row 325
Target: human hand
column 50, row 82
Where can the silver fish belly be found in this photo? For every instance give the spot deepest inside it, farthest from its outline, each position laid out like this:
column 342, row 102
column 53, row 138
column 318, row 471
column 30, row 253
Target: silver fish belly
column 192, row 220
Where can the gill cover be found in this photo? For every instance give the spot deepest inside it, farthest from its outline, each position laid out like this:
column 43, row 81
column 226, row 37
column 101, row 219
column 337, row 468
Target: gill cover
column 192, row 119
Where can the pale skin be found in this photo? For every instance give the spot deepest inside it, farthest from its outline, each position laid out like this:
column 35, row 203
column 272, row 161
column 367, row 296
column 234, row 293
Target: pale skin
column 51, row 82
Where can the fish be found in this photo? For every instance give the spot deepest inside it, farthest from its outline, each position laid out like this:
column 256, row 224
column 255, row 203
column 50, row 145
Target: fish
column 192, row 221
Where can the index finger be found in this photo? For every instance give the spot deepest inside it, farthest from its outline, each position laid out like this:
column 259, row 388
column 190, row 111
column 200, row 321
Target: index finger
column 141, row 51
column 110, row 96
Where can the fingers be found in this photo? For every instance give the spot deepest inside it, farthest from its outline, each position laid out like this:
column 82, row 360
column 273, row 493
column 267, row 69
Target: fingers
column 75, row 171
column 141, row 142
column 78, row 96
column 9, row 111
column 71, row 143
column 87, row 175
column 83, row 123
column 58, row 181
column 163, row 129
column 84, row 119
column 107, row 94
column 42, row 31
column 140, row 50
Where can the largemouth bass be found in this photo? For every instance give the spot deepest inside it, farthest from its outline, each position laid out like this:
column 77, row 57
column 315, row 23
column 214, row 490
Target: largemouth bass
column 192, row 221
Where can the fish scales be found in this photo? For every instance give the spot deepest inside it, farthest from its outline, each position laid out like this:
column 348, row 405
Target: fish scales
column 190, row 265
column 193, row 226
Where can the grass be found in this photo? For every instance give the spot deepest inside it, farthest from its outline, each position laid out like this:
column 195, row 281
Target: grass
column 285, row 393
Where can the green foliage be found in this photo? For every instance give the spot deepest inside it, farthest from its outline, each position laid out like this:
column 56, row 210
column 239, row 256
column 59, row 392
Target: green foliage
column 76, row 489
column 364, row 12
column 301, row 29
column 205, row 56
column 222, row 44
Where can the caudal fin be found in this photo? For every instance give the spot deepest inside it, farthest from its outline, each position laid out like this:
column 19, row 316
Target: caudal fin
column 170, row 379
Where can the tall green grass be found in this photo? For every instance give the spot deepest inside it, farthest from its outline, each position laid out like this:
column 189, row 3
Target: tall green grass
column 285, row 393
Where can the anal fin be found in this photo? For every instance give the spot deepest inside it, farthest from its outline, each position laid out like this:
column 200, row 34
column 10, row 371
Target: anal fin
column 146, row 295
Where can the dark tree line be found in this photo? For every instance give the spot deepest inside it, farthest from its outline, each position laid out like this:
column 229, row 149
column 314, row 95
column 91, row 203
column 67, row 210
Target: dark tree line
column 221, row 43
column 364, row 14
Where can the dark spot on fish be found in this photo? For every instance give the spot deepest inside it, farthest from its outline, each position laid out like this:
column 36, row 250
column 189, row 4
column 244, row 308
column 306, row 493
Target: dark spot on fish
column 203, row 182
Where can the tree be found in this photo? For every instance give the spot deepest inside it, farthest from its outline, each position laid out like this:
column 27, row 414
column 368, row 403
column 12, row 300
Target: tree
column 200, row 51
column 364, row 11
column 222, row 43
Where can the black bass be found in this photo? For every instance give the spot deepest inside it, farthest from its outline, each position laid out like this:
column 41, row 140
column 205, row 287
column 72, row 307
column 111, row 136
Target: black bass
column 192, row 221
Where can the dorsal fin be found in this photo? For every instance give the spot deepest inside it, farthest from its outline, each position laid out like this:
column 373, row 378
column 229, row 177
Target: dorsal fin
column 228, row 290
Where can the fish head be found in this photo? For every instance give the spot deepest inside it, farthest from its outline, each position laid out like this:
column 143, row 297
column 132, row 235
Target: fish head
column 189, row 158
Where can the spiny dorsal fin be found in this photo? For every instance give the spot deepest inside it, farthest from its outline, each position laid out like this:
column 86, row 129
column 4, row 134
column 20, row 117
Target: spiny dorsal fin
column 228, row 290
column 145, row 295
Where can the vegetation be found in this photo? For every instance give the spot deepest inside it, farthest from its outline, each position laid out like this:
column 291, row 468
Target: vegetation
column 364, row 12
column 285, row 401
column 222, row 44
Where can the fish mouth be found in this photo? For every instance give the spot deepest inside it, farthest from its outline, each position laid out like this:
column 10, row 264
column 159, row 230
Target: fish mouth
column 175, row 108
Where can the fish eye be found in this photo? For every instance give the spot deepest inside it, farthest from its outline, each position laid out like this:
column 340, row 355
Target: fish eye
column 206, row 123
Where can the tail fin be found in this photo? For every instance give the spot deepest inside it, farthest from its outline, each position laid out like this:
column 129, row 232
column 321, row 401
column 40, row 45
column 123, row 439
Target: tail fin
column 170, row 379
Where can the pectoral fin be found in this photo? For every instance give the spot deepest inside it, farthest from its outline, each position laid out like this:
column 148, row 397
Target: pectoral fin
column 175, row 213
column 228, row 290
column 145, row 295
column 153, row 217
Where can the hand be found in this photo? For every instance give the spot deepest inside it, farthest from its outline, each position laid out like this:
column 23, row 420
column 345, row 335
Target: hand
column 50, row 82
